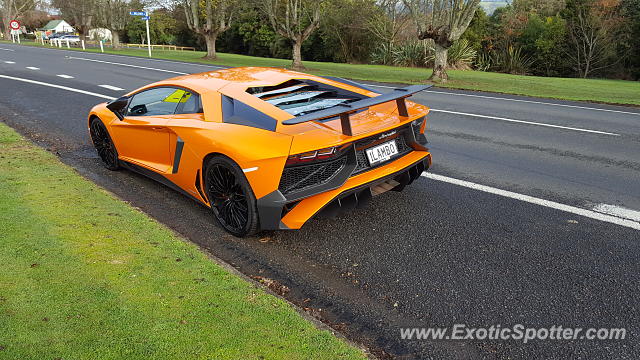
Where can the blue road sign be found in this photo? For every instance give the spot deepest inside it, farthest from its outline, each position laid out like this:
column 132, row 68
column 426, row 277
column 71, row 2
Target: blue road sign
column 145, row 18
column 138, row 13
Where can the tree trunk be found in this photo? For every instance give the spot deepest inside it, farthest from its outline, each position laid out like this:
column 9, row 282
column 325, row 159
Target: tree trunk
column 115, row 39
column 83, row 31
column 440, row 64
column 297, row 56
column 210, row 39
column 7, row 30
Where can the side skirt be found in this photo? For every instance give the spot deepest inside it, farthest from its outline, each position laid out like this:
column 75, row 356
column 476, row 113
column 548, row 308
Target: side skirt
column 159, row 178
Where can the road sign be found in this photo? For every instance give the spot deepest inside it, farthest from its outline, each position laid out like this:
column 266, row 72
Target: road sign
column 14, row 25
column 143, row 15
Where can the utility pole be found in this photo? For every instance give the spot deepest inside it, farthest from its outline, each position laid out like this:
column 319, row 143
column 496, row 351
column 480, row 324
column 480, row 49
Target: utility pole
column 146, row 19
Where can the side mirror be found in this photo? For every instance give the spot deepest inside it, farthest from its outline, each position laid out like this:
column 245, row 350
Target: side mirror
column 118, row 106
column 138, row 110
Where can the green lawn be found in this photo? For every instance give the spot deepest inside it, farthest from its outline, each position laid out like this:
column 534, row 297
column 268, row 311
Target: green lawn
column 595, row 90
column 86, row 276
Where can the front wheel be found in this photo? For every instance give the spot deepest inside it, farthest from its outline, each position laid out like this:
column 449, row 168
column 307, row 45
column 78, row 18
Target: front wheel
column 231, row 197
column 103, row 144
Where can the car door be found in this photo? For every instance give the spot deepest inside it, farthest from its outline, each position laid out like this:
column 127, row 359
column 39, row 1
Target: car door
column 188, row 116
column 143, row 135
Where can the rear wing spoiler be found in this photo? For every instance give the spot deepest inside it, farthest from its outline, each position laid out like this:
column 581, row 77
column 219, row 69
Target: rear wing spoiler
column 345, row 110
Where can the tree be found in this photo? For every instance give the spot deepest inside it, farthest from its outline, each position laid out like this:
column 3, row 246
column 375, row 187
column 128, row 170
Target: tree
column 136, row 31
column 442, row 21
column 478, row 30
column 34, row 19
column 543, row 38
column 387, row 22
column 114, row 15
column 343, row 30
column 592, row 27
column 209, row 18
column 631, row 12
column 255, row 35
column 163, row 24
column 295, row 20
column 182, row 34
column 81, row 13
column 540, row 7
column 10, row 10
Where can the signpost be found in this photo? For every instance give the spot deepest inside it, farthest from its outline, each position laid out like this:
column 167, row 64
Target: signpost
column 14, row 25
column 143, row 15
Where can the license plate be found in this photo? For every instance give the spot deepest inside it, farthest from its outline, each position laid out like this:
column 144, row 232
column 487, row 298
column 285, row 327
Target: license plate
column 382, row 152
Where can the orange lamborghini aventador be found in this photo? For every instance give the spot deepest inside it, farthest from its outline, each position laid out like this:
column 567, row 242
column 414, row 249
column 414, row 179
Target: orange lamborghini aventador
column 266, row 148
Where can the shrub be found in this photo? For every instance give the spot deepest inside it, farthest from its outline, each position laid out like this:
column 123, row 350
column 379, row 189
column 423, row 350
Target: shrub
column 483, row 62
column 381, row 54
column 512, row 60
column 412, row 53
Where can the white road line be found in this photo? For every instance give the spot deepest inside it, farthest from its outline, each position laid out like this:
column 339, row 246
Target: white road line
column 110, row 87
column 10, row 62
column 58, row 87
column 128, row 65
column 618, row 211
column 518, row 100
column 537, row 201
column 5, row 49
column 537, row 102
column 33, row 68
column 65, row 76
column 526, row 122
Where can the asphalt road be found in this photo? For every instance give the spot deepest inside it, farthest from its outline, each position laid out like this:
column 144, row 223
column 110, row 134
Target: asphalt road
column 510, row 246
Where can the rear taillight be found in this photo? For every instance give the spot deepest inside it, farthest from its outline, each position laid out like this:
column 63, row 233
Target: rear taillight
column 315, row 155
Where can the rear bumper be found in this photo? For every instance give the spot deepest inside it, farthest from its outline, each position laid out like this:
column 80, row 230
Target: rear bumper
column 355, row 191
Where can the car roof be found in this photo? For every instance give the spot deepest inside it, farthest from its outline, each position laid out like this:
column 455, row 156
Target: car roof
column 236, row 80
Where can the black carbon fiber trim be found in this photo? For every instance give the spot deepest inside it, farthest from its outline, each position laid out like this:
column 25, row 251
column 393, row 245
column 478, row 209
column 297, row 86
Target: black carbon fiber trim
column 178, row 155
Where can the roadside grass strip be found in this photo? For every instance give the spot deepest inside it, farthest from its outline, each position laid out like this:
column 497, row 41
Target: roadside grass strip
column 86, row 276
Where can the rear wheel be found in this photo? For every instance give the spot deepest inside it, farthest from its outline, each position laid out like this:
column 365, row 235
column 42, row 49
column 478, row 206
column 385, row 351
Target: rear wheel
column 231, row 197
column 104, row 145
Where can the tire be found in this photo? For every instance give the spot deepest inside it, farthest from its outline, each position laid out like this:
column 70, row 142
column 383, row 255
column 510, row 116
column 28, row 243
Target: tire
column 103, row 144
column 232, row 200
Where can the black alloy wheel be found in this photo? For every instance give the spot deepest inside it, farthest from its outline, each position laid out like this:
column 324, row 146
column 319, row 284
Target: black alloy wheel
column 231, row 198
column 103, row 144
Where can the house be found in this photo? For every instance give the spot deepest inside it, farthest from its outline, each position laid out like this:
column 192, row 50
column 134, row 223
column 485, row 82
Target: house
column 55, row 26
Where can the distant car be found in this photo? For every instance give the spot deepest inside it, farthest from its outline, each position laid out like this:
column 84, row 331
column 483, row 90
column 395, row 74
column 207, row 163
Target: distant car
column 73, row 39
column 266, row 148
column 56, row 35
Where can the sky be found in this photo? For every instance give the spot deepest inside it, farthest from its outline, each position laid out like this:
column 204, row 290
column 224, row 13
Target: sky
column 490, row 5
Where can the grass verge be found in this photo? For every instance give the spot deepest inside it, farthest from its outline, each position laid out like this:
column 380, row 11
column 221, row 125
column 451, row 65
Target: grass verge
column 86, row 276
column 595, row 90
